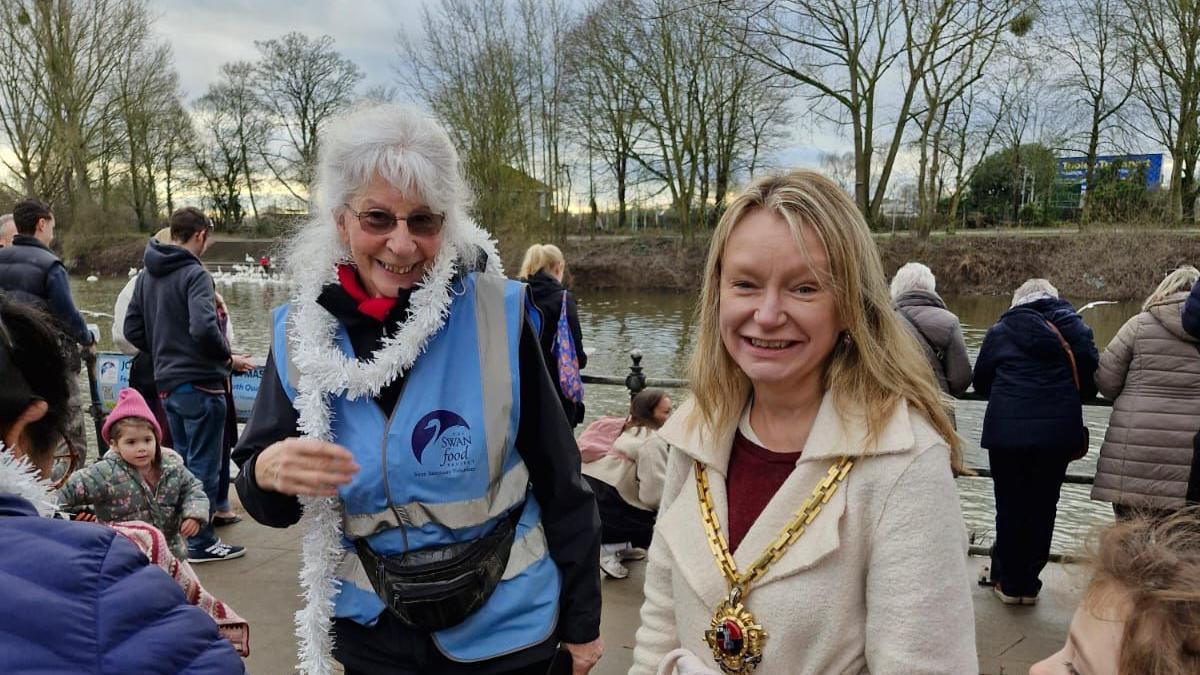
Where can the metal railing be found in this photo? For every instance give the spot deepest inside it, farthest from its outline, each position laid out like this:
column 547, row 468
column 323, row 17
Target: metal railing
column 636, row 381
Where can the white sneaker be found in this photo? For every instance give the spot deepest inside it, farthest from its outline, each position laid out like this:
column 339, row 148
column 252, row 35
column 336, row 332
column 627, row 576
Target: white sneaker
column 610, row 565
column 631, row 553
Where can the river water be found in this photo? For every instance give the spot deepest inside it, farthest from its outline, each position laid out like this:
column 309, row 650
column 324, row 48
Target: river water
column 660, row 326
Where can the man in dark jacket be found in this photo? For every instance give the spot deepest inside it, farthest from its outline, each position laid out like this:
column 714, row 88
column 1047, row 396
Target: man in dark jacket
column 1034, row 423
column 173, row 317
column 30, row 272
column 78, row 597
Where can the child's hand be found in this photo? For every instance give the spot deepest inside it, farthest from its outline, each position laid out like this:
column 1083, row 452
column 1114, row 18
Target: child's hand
column 190, row 527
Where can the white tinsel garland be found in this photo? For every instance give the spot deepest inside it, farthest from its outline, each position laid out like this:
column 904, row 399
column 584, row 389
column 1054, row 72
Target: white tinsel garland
column 325, row 372
column 19, row 477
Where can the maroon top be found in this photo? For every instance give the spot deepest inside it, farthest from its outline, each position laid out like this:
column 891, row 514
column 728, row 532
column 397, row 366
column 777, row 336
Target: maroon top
column 755, row 475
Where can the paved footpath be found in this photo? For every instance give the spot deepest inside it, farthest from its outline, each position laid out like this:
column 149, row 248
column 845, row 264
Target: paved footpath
column 262, row 587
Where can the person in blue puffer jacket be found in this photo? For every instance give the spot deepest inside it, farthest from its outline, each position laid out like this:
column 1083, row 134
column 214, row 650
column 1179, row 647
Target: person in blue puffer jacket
column 1032, row 427
column 78, row 597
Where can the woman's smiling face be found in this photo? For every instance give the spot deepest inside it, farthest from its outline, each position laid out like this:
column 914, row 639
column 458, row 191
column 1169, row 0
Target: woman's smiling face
column 388, row 262
column 777, row 318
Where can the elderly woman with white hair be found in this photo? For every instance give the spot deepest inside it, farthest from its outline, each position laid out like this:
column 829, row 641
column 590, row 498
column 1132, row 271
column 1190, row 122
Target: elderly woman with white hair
column 1151, row 370
column 406, row 413
column 914, row 294
column 1036, row 368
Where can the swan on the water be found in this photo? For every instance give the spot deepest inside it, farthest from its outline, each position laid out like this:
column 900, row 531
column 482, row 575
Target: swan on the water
column 92, row 278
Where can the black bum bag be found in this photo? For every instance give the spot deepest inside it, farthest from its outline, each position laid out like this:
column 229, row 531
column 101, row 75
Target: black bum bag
column 439, row 587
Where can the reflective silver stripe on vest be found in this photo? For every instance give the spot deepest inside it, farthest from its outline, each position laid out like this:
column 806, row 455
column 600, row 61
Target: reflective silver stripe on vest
column 491, row 322
column 293, row 373
column 526, row 551
column 505, row 490
column 351, row 570
column 454, row 515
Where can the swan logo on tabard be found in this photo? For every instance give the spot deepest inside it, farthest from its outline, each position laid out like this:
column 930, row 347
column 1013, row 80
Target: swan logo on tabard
column 441, row 440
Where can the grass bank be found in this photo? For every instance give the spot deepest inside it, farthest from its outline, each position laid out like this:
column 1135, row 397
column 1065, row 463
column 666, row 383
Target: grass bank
column 1114, row 265
column 1111, row 265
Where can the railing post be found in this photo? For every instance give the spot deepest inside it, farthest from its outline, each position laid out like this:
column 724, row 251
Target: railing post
column 635, row 381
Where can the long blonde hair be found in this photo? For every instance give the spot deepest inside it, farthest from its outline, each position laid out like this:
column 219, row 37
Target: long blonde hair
column 1181, row 279
column 540, row 257
column 880, row 364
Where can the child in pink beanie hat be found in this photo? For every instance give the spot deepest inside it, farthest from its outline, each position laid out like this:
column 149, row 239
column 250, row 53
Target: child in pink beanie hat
column 138, row 479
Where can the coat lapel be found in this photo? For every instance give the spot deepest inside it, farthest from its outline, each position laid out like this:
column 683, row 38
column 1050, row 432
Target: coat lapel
column 680, row 525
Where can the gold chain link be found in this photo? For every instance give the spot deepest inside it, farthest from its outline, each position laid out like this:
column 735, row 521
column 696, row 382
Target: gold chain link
column 804, row 516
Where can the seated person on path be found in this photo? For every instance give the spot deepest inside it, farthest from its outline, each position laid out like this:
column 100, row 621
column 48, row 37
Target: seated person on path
column 597, row 440
column 1035, row 368
column 1151, row 373
column 78, row 598
column 1140, row 614
column 628, row 482
column 138, row 479
column 936, row 328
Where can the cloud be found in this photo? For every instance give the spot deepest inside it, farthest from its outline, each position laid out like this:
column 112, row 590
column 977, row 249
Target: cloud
column 206, row 35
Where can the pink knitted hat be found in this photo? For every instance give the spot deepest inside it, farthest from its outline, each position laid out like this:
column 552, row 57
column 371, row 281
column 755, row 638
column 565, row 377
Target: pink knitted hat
column 130, row 404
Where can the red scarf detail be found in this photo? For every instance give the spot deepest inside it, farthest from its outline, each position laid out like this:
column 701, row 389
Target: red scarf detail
column 376, row 308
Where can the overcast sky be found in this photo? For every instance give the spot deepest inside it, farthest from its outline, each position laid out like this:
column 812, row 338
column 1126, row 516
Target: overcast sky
column 206, row 34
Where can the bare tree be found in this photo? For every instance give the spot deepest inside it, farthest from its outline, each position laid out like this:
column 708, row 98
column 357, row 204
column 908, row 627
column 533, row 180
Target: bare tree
column 604, row 111
column 1167, row 35
column 473, row 76
column 145, row 93
column 839, row 52
column 1091, row 39
column 302, row 83
column 962, row 37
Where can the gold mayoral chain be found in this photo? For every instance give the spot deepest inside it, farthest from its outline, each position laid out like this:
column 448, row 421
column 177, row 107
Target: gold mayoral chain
column 735, row 636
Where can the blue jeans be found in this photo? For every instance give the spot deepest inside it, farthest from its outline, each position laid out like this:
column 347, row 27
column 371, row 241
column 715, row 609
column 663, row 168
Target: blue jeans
column 197, row 421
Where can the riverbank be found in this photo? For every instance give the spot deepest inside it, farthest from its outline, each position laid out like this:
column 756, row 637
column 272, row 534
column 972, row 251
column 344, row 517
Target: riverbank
column 1113, row 265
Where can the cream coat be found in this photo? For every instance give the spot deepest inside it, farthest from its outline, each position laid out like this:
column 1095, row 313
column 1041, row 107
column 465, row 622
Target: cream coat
column 635, row 467
column 878, row 583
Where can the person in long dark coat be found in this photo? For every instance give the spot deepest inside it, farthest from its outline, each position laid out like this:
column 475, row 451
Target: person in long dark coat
column 1032, row 427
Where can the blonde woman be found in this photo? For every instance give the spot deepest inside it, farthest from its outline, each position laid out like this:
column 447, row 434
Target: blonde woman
column 543, row 269
column 1151, row 370
column 809, row 522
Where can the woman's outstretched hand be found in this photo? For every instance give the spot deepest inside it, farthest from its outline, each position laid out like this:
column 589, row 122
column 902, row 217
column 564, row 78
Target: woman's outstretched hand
column 304, row 467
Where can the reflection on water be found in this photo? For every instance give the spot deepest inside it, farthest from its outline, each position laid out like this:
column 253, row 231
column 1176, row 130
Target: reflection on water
column 661, row 326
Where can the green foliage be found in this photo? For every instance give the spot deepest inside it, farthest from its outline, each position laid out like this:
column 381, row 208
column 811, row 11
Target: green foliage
column 1115, row 199
column 996, row 187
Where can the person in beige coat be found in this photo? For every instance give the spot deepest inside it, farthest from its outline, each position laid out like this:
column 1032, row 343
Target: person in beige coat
column 1151, row 371
column 810, row 521
column 628, row 483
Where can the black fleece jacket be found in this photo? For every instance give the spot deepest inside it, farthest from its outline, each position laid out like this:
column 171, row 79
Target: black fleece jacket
column 544, row 439
column 173, row 317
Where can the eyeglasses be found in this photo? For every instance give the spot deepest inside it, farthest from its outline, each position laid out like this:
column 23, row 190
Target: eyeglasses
column 380, row 222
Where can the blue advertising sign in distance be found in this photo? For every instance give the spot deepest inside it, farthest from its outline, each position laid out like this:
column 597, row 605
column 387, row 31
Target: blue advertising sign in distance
column 1074, row 169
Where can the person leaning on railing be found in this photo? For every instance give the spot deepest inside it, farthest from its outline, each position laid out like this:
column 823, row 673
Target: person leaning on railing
column 450, row 530
column 1151, row 371
column 1035, row 368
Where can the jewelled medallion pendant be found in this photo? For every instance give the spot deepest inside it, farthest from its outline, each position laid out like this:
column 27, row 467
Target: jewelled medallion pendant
column 735, row 637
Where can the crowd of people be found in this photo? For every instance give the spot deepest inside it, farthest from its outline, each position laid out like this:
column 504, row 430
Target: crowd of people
column 798, row 512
